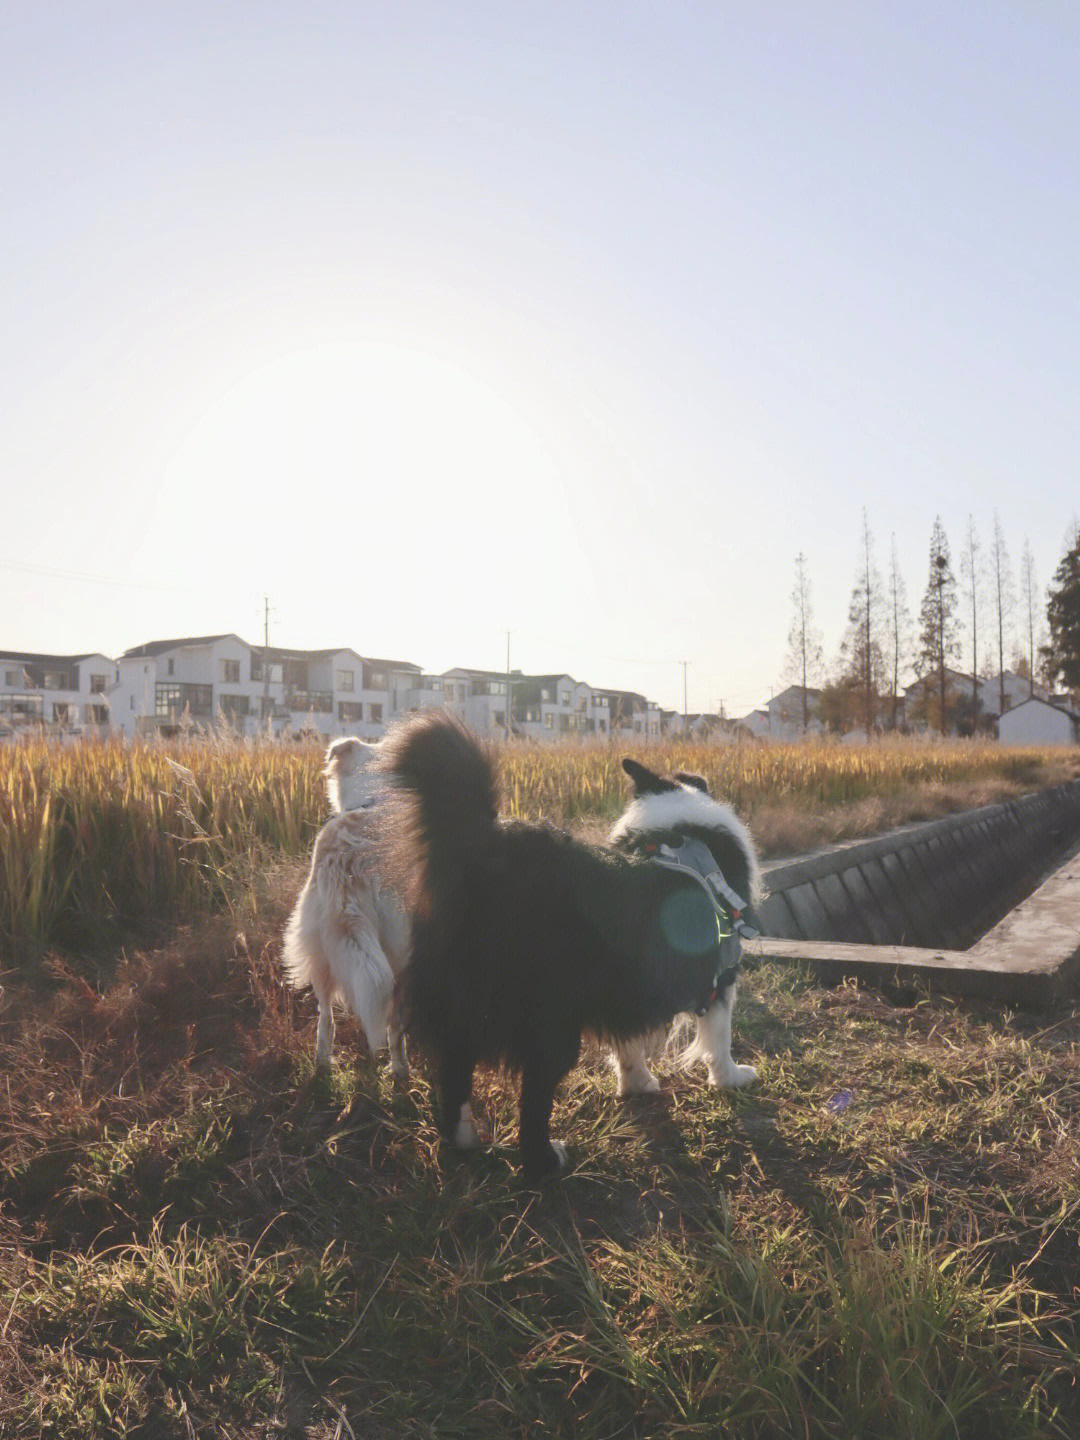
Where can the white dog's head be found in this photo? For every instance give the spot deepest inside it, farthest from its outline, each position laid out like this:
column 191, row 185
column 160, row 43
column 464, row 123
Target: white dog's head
column 350, row 779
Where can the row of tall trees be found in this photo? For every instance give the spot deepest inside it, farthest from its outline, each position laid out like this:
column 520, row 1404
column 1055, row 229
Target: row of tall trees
column 882, row 645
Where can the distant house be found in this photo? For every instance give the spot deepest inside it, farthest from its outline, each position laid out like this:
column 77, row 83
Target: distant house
column 1017, row 689
column 57, row 694
column 202, row 682
column 209, row 680
column 782, row 717
column 633, row 718
column 1040, row 722
column 922, row 703
column 558, row 707
column 786, row 713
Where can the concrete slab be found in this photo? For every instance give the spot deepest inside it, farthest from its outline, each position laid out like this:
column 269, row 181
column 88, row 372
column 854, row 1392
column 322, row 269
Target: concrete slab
column 1032, row 957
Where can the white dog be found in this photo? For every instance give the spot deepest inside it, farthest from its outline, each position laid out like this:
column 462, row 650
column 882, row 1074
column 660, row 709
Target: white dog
column 348, row 936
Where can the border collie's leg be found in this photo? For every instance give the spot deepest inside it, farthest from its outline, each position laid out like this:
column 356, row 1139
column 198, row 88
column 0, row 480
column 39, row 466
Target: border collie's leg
column 634, row 1076
column 455, row 1086
column 713, row 1045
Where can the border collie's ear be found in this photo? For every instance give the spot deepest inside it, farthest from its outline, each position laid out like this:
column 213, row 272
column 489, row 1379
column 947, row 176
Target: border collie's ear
column 645, row 782
column 689, row 778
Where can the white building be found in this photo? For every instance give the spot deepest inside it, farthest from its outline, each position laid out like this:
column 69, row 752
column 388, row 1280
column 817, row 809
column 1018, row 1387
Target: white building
column 1040, row 722
column 633, row 718
column 558, row 707
column 67, row 695
column 208, row 680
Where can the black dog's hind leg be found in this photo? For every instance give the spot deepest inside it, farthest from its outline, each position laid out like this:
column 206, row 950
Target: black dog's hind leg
column 455, row 1087
column 540, row 1077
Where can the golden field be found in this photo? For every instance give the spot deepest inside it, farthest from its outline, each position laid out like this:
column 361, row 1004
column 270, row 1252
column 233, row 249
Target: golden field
column 100, row 840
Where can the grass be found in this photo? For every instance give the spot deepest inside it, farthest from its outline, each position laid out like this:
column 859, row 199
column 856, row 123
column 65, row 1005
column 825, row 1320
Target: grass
column 198, row 1235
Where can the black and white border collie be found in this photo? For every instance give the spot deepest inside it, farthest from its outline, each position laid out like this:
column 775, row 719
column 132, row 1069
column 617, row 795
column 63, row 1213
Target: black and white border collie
column 525, row 939
column 664, row 812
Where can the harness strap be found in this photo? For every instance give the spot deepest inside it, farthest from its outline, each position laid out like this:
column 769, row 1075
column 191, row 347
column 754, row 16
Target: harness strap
column 695, row 861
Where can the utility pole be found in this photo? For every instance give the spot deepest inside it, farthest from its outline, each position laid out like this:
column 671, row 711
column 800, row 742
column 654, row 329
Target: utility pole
column 685, row 710
column 266, row 662
column 506, row 728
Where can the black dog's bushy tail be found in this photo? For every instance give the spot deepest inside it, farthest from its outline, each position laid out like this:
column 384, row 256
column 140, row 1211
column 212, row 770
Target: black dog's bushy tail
column 451, row 780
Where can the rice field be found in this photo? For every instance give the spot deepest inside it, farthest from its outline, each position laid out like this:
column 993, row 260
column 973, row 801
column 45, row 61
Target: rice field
column 100, row 841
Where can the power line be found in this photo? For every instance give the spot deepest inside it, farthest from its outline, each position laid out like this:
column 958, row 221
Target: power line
column 50, row 572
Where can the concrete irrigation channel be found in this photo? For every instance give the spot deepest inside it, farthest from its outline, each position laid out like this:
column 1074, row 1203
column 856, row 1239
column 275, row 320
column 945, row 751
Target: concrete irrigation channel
column 985, row 903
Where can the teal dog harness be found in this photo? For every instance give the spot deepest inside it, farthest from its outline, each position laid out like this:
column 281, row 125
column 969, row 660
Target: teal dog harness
column 694, row 860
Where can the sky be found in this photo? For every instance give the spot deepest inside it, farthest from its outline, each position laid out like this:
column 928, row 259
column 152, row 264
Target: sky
column 438, row 330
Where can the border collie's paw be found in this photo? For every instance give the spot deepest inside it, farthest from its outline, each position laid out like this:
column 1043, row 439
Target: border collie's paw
column 731, row 1076
column 636, row 1081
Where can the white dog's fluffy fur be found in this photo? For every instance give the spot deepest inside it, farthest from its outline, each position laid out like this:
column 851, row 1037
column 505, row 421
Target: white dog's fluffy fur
column 348, row 936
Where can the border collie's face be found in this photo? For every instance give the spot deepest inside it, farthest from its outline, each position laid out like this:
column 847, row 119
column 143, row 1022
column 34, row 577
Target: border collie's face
column 665, row 808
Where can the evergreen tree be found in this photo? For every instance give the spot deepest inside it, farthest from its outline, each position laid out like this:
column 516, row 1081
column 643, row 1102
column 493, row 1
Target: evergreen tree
column 1062, row 654
column 937, row 623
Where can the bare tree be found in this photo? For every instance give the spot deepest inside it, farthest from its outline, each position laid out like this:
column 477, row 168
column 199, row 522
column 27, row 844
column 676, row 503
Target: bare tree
column 805, row 657
column 899, row 622
column 971, row 577
column 1004, row 598
column 1029, row 607
column 862, row 652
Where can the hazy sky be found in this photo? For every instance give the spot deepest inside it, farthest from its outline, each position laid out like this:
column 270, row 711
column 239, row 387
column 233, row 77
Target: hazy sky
column 431, row 321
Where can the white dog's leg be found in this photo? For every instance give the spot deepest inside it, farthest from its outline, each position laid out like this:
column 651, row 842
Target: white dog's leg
column 713, row 1045
column 367, row 983
column 634, row 1075
column 395, row 1040
column 324, row 1036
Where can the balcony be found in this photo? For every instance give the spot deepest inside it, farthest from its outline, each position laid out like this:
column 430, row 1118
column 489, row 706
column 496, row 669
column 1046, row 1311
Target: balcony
column 320, row 701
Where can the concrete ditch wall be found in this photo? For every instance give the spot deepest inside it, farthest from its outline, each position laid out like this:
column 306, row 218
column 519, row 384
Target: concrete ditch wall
column 941, row 884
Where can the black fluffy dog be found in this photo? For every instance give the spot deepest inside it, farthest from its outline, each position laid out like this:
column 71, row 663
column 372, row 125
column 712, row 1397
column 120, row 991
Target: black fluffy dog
column 524, row 939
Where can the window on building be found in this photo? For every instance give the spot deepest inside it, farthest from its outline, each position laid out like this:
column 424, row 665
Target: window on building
column 378, row 680
column 98, row 684
column 549, row 721
column 9, row 677
column 171, row 666
column 376, row 712
column 231, row 672
column 564, row 698
column 345, row 679
column 166, row 700
column 350, row 710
